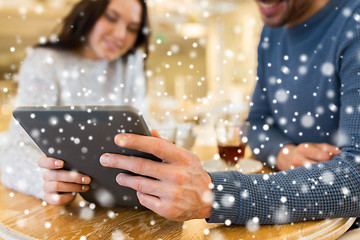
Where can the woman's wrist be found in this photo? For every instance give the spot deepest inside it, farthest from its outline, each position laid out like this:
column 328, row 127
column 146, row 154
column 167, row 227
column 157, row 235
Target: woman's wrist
column 283, row 159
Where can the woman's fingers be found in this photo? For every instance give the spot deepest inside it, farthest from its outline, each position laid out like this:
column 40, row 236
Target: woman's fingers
column 50, row 163
column 59, row 199
column 63, row 187
column 318, row 152
column 330, row 149
column 155, row 133
column 66, row 176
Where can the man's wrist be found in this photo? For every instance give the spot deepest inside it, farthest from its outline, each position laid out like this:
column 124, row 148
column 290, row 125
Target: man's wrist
column 207, row 198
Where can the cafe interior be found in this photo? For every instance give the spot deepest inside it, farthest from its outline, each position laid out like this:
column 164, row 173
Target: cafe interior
column 202, row 59
column 201, row 67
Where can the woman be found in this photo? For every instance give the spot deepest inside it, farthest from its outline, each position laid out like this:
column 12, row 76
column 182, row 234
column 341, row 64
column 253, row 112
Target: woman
column 97, row 59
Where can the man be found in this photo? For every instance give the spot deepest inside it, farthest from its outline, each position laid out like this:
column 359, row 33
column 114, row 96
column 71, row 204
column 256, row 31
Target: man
column 305, row 105
column 307, row 98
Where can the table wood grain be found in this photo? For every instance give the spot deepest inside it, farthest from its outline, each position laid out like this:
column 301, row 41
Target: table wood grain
column 24, row 217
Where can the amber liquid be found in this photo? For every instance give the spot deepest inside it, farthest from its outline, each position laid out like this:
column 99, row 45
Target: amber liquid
column 232, row 154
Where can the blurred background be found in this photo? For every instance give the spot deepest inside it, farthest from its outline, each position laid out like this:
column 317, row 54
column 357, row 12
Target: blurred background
column 202, row 61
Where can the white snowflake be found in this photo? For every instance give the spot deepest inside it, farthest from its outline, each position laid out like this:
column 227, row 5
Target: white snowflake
column 283, row 121
column 345, row 191
column 330, row 94
column 207, row 197
column 304, row 188
column 227, row 222
column 340, row 138
column 346, row 12
column 206, row 231
column 35, row 133
column 327, row 177
column 327, row 69
column 228, row 200
column 272, row 160
column 47, row 225
column 104, row 197
column 349, row 34
column 86, row 213
column 253, row 224
column 281, row 96
column 281, row 215
column 84, row 150
column 245, row 194
column 307, row 121
column 51, row 150
column 303, row 58
column 68, row 118
column 285, row 70
column 265, row 45
column 349, row 110
column 302, row 70
column 118, row 235
column 333, row 107
column 111, row 214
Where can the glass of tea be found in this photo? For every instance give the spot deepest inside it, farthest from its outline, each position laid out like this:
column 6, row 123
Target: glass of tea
column 231, row 139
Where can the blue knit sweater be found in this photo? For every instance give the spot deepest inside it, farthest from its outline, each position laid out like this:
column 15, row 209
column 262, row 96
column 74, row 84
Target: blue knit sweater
column 308, row 90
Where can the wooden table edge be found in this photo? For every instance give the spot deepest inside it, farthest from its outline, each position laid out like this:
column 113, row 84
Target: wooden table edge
column 329, row 229
column 9, row 234
column 333, row 231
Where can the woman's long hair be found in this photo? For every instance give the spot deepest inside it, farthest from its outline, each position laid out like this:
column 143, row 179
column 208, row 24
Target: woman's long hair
column 82, row 18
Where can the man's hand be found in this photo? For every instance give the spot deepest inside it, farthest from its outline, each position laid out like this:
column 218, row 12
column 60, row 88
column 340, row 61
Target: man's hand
column 292, row 156
column 181, row 188
column 60, row 185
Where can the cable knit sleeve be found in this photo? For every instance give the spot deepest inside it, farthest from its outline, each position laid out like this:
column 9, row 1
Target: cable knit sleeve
column 324, row 190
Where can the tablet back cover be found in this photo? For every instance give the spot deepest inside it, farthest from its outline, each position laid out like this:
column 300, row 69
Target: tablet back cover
column 79, row 136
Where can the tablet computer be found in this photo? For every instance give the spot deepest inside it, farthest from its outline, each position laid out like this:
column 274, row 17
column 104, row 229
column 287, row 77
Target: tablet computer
column 79, row 136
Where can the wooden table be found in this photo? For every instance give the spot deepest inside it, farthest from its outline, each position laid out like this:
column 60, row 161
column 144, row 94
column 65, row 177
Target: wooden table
column 24, row 217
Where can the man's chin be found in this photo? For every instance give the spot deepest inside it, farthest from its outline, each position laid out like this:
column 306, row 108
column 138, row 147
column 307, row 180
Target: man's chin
column 273, row 22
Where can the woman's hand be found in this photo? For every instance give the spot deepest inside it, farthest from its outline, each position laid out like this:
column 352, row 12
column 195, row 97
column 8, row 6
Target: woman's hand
column 291, row 156
column 181, row 189
column 60, row 186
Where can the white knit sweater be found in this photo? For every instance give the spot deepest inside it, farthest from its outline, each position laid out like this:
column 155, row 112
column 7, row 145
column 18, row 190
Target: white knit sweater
column 52, row 77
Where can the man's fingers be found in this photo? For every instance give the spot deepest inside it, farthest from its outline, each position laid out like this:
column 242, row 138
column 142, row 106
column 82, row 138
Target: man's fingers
column 150, row 202
column 157, row 205
column 59, row 199
column 161, row 148
column 55, row 187
column 50, row 163
column 66, row 176
column 142, row 184
column 136, row 165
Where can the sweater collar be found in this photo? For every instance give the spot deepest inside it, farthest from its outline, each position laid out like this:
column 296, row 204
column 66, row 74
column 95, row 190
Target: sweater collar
column 302, row 30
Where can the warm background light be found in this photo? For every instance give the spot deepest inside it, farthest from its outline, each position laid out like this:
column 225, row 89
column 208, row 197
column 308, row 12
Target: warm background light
column 202, row 55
